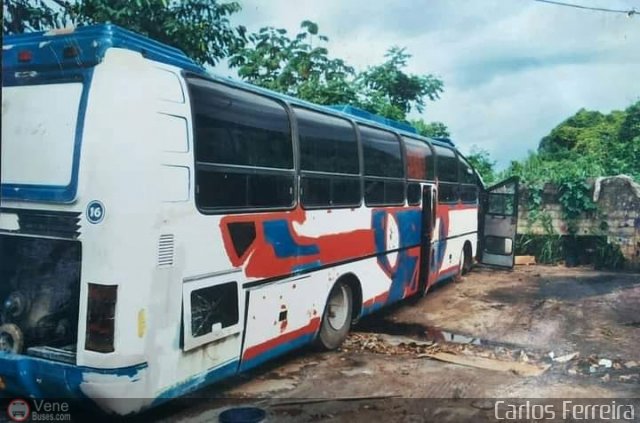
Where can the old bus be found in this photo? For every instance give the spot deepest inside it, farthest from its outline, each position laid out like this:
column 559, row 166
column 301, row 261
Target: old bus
column 162, row 229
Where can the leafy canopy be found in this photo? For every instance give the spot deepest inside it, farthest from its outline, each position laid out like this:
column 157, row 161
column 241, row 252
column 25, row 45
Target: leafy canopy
column 301, row 66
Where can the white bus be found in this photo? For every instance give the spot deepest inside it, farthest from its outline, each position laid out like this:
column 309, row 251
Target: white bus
column 162, row 229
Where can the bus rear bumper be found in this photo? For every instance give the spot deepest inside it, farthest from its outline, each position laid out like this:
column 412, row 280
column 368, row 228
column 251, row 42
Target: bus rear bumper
column 120, row 390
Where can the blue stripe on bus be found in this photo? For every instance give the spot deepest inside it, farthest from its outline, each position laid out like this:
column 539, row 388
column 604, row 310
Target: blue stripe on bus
column 277, row 351
column 198, row 381
column 40, row 378
column 277, row 233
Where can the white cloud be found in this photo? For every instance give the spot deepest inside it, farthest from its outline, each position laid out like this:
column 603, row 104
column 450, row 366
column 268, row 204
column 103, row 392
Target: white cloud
column 512, row 69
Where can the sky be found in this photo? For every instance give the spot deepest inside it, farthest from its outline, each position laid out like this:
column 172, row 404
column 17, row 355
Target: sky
column 512, row 69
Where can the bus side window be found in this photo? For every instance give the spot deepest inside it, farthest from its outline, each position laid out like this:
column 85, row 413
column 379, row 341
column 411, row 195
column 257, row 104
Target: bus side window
column 469, row 182
column 243, row 149
column 420, row 167
column 329, row 162
column 447, row 173
column 383, row 167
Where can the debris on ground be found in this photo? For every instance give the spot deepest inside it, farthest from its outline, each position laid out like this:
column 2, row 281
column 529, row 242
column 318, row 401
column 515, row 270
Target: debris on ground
column 565, row 358
column 525, row 260
column 605, row 362
column 520, row 369
column 631, row 364
column 498, row 358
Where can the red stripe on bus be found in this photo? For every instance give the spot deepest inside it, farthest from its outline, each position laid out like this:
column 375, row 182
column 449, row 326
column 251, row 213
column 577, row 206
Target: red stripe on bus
column 256, row 350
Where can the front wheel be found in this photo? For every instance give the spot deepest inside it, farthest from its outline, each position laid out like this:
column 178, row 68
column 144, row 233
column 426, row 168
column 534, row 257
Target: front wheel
column 336, row 320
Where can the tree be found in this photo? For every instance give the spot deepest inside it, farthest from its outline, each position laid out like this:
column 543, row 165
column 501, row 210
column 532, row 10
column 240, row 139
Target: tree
column 481, row 161
column 200, row 28
column 20, row 16
column 301, row 66
column 298, row 66
column 431, row 129
column 389, row 91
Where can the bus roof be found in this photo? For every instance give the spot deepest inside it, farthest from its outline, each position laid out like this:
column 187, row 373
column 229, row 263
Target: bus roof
column 86, row 46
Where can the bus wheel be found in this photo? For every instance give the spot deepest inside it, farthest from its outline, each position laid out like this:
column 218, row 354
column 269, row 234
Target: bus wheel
column 461, row 266
column 336, row 320
column 11, row 339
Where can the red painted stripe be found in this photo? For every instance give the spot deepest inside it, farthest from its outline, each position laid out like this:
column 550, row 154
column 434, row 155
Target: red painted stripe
column 449, row 269
column 256, row 350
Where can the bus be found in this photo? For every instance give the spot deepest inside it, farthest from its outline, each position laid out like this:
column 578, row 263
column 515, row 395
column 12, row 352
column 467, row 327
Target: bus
column 162, row 229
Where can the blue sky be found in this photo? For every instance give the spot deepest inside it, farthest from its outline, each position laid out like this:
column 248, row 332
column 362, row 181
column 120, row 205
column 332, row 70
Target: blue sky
column 513, row 69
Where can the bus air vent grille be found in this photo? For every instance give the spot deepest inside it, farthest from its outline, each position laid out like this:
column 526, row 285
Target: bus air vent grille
column 59, row 224
column 165, row 250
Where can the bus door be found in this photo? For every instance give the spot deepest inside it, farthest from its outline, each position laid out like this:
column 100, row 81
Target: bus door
column 498, row 224
column 426, row 234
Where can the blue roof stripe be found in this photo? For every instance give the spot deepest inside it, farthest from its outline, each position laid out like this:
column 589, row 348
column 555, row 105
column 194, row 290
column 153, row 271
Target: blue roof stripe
column 92, row 41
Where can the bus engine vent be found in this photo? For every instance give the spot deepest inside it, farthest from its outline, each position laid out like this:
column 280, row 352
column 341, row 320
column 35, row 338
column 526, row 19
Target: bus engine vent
column 165, row 250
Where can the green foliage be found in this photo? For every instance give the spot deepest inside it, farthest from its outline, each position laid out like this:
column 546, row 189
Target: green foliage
column 200, row 28
column 431, row 129
column 482, row 163
column 301, row 66
column 587, row 145
column 389, row 91
column 298, row 66
column 20, row 16
column 608, row 256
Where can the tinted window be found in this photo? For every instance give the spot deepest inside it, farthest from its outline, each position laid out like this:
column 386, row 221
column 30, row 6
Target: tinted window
column 239, row 128
column 468, row 193
column 383, row 192
column 467, row 174
column 237, row 136
column 382, row 154
column 447, row 193
column 327, row 143
column 217, row 188
column 447, row 164
column 419, row 159
column 414, row 194
column 330, row 191
column 501, row 204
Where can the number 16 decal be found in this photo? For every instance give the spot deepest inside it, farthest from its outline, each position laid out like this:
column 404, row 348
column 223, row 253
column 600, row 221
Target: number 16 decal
column 95, row 211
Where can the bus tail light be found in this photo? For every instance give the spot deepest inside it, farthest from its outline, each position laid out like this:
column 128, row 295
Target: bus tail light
column 25, row 56
column 70, row 52
column 101, row 312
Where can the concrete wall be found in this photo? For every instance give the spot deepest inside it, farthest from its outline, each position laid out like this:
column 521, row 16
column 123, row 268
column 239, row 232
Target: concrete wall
column 617, row 216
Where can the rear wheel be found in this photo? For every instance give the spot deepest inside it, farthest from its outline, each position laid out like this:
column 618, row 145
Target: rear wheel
column 461, row 266
column 336, row 320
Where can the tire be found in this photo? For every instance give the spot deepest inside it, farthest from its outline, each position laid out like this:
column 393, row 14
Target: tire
column 468, row 260
column 461, row 266
column 336, row 320
column 11, row 339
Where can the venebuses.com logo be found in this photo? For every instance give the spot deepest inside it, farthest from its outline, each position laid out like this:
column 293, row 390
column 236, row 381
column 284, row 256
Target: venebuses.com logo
column 20, row 410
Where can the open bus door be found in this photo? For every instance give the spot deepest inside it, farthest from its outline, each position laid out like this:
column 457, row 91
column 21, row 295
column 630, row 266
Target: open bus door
column 498, row 221
column 426, row 234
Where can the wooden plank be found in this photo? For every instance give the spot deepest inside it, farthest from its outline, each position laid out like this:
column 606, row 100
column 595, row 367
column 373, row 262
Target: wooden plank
column 521, row 369
column 525, row 260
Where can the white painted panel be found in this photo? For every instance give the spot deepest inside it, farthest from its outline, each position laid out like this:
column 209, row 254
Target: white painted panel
column 38, row 133
column 173, row 133
column 175, row 183
column 168, row 86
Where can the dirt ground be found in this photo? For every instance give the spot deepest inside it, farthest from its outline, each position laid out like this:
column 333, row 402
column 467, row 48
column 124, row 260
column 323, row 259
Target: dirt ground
column 537, row 317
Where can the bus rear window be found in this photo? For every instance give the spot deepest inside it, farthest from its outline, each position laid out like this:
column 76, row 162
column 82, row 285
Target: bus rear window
column 38, row 133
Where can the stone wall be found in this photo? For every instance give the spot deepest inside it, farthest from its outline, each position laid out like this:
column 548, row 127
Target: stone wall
column 617, row 216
